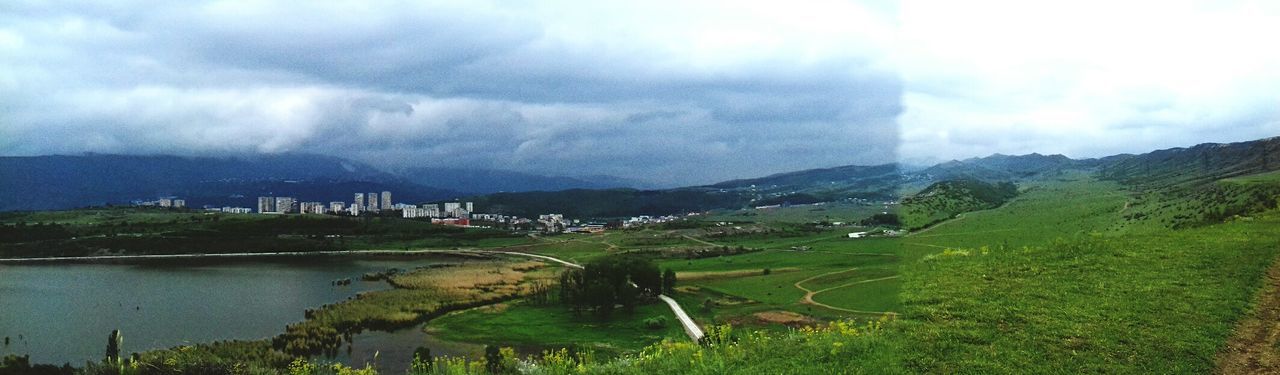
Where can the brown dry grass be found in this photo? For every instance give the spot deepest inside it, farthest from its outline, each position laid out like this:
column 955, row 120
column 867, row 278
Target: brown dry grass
column 704, row 275
column 470, row 278
column 783, row 317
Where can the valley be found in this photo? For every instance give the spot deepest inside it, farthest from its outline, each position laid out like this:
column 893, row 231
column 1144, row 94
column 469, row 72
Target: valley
column 1051, row 271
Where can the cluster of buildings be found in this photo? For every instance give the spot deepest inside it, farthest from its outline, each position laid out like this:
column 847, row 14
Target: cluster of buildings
column 450, row 213
column 432, row 210
column 163, row 202
column 373, row 202
column 447, row 213
column 636, row 221
column 230, row 210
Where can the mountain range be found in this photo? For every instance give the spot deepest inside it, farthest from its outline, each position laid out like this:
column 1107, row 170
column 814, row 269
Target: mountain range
column 62, row 182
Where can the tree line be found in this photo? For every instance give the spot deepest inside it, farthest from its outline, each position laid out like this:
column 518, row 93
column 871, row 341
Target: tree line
column 613, row 281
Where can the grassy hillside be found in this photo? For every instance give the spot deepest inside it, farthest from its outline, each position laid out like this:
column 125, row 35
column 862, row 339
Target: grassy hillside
column 946, row 199
column 1194, row 166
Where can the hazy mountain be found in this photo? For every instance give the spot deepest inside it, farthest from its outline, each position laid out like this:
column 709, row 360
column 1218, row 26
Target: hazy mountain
column 55, row 182
column 60, row 182
column 1000, row 167
column 485, row 181
column 845, row 176
column 1198, row 164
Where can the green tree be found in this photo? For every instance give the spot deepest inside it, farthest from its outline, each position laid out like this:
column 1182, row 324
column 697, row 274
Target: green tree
column 493, row 358
column 114, row 341
column 668, row 281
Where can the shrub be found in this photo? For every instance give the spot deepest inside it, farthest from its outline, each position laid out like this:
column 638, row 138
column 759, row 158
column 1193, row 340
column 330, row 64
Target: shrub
column 657, row 322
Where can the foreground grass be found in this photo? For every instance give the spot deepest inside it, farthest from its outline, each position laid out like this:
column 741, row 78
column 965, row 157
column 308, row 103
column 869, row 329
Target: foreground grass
column 1148, row 303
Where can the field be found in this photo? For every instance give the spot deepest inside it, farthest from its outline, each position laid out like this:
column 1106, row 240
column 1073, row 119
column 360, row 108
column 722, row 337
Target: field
column 535, row 328
column 142, row 230
column 801, row 213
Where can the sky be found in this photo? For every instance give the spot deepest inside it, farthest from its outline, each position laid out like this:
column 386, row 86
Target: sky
column 669, row 92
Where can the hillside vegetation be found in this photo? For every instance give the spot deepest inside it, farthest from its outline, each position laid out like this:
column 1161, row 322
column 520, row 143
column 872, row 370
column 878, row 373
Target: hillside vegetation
column 946, row 199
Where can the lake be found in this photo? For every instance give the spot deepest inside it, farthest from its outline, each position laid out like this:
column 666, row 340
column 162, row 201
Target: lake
column 64, row 312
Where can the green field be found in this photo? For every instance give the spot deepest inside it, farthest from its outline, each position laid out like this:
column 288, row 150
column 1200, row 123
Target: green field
column 143, row 230
column 803, row 213
column 535, row 328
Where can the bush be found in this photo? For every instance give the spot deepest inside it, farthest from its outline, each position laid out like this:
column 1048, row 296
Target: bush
column 655, row 323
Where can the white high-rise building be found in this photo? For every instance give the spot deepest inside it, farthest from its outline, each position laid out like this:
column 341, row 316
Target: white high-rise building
column 266, row 205
column 359, row 200
column 450, row 208
column 336, row 207
column 311, row 208
column 386, row 200
column 431, row 210
column 470, row 207
column 179, row 203
column 318, row 208
column 373, row 201
column 285, row 205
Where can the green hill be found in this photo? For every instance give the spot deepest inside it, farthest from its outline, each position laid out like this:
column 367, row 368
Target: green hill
column 946, row 199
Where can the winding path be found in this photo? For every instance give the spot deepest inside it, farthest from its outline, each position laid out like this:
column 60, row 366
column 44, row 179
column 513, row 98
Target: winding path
column 808, row 295
column 698, row 240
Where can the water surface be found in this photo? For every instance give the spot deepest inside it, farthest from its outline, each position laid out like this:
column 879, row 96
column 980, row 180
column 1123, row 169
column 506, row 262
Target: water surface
column 64, row 312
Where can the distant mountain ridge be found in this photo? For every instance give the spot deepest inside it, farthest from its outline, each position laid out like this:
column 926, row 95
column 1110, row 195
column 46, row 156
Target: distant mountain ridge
column 487, row 181
column 59, row 182
column 1003, row 167
column 893, row 181
column 62, row 182
column 1194, row 165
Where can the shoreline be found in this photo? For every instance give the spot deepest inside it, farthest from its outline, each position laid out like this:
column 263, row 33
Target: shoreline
column 104, row 258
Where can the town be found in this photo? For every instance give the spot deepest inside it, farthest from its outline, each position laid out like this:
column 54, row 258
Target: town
column 457, row 213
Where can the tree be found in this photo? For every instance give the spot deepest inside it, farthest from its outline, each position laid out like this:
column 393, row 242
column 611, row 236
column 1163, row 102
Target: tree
column 421, row 354
column 668, row 281
column 609, row 281
column 493, row 358
column 645, row 275
column 113, row 346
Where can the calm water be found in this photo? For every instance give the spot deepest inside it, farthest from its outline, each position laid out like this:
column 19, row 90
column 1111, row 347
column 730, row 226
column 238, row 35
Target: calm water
column 64, row 312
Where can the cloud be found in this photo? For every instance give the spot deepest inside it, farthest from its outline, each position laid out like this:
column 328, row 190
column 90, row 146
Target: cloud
column 671, row 91
column 1085, row 79
column 676, row 92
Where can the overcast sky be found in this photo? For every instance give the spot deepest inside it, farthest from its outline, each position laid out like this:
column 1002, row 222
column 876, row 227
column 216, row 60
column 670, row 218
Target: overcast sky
column 674, row 92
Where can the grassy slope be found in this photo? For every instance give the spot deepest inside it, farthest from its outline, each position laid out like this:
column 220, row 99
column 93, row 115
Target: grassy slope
column 1064, row 281
column 1061, row 287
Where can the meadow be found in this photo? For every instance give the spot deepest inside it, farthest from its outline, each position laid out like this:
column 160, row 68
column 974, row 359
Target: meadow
column 1056, row 279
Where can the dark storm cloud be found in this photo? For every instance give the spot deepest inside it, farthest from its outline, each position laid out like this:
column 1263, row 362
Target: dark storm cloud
column 688, row 96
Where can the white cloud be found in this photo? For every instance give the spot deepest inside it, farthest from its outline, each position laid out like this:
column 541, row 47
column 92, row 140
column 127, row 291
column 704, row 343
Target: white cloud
column 1085, row 78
